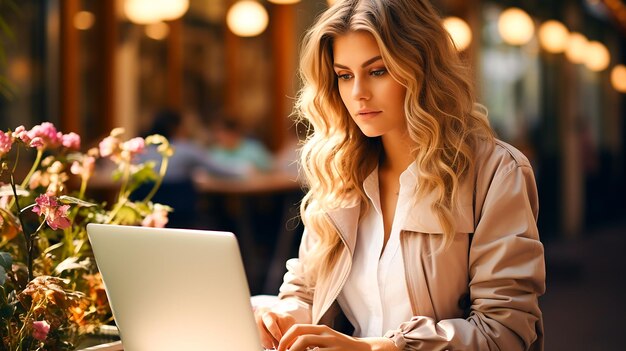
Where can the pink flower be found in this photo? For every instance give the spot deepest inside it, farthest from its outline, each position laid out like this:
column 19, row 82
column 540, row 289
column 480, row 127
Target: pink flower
column 134, row 145
column 5, row 143
column 71, row 141
column 158, row 218
column 76, row 168
column 22, row 134
column 38, row 179
column 55, row 215
column 36, row 142
column 109, row 146
column 85, row 168
column 47, row 132
column 40, row 330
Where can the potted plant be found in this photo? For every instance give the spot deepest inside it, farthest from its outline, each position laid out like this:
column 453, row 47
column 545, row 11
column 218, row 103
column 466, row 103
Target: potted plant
column 51, row 294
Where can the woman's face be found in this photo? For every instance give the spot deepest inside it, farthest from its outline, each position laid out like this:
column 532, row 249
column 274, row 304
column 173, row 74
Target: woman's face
column 374, row 99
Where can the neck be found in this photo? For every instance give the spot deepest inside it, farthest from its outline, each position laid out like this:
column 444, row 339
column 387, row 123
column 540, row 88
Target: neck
column 397, row 153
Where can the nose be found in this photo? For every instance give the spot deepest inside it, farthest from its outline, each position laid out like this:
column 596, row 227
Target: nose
column 360, row 90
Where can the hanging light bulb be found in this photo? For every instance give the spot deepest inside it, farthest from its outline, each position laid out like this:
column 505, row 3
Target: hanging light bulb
column 153, row 11
column 157, row 31
column 141, row 11
column 247, row 18
column 172, row 9
column 618, row 78
column 459, row 31
column 553, row 36
column 576, row 48
column 515, row 26
column 598, row 57
column 284, row 2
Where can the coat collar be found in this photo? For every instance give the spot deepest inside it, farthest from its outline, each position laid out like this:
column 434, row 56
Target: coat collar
column 421, row 219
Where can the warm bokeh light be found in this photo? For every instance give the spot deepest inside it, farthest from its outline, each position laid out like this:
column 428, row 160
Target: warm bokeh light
column 598, row 57
column 553, row 36
column 515, row 26
column 459, row 31
column 284, row 2
column 172, row 9
column 141, row 11
column 618, row 78
column 247, row 18
column 152, row 11
column 84, row 20
column 157, row 31
column 576, row 48
column 330, row 2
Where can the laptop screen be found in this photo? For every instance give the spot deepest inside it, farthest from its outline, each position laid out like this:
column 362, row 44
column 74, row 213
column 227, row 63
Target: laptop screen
column 175, row 289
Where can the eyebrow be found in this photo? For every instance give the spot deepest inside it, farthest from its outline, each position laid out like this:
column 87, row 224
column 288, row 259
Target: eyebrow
column 365, row 64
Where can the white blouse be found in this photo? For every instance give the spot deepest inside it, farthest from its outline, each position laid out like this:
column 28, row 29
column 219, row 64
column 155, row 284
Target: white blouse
column 375, row 298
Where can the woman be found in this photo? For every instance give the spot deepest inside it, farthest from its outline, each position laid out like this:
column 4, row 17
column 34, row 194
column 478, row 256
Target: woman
column 420, row 225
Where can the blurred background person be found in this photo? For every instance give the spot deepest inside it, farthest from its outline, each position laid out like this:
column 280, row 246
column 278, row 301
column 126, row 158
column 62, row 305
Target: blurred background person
column 178, row 190
column 234, row 149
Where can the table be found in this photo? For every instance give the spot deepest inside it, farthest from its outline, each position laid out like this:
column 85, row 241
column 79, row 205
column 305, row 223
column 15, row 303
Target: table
column 256, row 184
column 277, row 182
column 112, row 346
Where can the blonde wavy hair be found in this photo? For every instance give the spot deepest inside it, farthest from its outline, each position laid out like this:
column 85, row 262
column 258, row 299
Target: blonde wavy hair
column 442, row 117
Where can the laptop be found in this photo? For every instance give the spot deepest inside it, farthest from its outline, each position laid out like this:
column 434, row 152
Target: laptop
column 175, row 289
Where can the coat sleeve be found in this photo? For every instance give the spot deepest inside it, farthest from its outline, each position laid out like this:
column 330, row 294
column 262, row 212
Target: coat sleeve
column 506, row 276
column 295, row 296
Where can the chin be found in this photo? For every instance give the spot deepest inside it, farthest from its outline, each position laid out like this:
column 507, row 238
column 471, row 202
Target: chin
column 371, row 133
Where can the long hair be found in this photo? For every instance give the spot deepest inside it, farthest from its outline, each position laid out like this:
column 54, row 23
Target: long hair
column 443, row 119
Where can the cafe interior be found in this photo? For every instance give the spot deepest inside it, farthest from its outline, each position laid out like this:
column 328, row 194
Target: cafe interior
column 551, row 73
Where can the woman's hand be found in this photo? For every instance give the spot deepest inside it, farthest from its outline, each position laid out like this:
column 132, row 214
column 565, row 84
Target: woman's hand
column 302, row 337
column 272, row 326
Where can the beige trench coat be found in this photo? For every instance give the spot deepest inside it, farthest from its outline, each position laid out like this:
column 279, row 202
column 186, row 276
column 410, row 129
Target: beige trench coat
column 495, row 266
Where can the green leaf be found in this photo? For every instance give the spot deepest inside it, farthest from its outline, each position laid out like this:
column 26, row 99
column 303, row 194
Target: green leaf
column 127, row 216
column 76, row 201
column 6, row 311
column 6, row 261
column 144, row 174
column 53, row 247
column 3, row 276
column 116, row 175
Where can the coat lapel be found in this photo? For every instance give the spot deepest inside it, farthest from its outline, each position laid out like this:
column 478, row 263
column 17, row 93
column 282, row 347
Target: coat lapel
column 423, row 219
column 347, row 222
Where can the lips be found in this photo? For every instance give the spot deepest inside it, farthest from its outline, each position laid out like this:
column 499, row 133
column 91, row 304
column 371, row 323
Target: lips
column 367, row 113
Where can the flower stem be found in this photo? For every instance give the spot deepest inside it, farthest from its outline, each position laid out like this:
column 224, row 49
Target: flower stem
column 118, row 206
column 83, row 187
column 20, row 334
column 159, row 180
column 125, row 179
column 33, row 168
column 28, row 238
column 17, row 159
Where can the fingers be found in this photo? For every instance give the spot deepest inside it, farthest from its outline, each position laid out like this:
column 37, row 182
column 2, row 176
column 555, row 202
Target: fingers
column 270, row 320
column 302, row 337
column 272, row 326
column 267, row 341
column 311, row 343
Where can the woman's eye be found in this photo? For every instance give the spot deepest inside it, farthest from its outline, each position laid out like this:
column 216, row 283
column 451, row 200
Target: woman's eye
column 378, row 72
column 344, row 76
